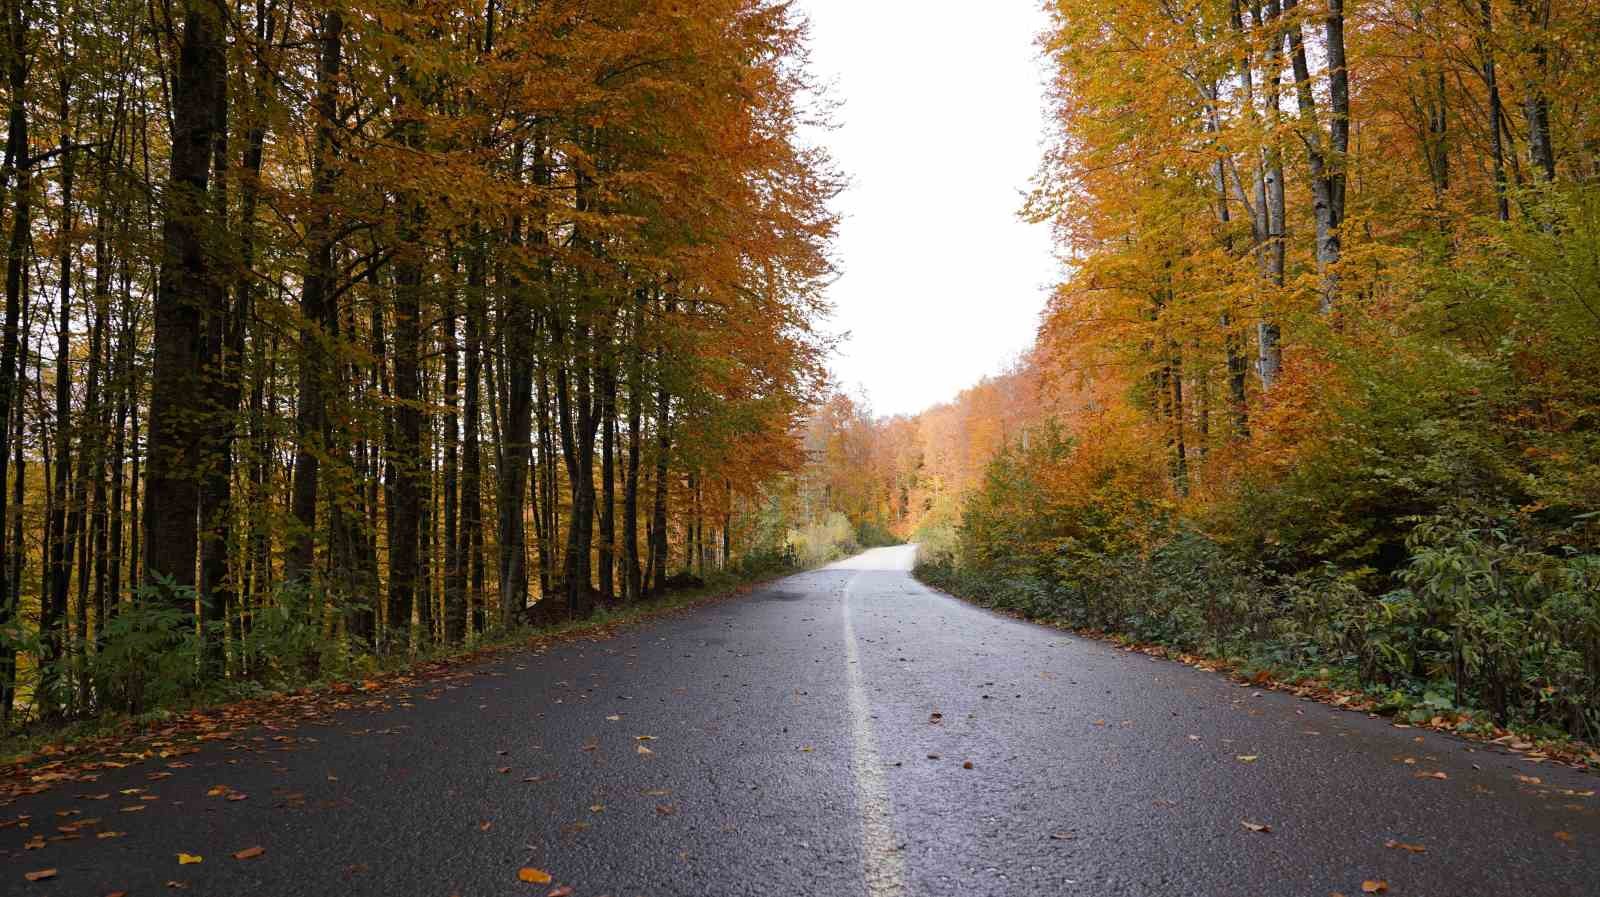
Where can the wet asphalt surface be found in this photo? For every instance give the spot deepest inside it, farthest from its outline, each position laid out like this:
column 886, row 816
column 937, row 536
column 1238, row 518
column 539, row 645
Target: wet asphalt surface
column 722, row 752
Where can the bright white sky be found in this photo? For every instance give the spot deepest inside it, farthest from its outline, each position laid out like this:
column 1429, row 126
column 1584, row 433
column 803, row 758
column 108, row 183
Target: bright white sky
column 939, row 132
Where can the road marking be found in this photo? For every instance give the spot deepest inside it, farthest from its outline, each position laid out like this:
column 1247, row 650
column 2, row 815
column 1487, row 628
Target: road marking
column 882, row 863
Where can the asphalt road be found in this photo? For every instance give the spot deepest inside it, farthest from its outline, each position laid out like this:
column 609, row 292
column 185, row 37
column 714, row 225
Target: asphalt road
column 812, row 738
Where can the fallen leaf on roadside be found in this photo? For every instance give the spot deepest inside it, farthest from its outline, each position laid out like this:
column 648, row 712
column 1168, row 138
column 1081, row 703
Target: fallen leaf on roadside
column 967, row 765
column 1432, row 775
column 1062, row 836
column 237, row 795
column 485, row 825
column 217, row 790
column 666, row 809
column 1564, row 837
column 40, row 875
column 1256, row 826
column 177, row 884
column 595, row 808
column 533, row 876
column 563, row 891
column 249, row 853
column 644, row 750
column 1529, row 780
column 188, row 859
column 104, row 835
column 1374, row 886
column 34, row 843
column 1247, row 758
column 1401, row 845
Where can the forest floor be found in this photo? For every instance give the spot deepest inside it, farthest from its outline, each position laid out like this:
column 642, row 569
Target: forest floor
column 845, row 730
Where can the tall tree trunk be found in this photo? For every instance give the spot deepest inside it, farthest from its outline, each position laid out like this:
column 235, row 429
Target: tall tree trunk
column 632, row 583
column 608, row 488
column 185, row 294
column 1491, row 82
column 16, row 175
column 455, row 608
column 318, row 310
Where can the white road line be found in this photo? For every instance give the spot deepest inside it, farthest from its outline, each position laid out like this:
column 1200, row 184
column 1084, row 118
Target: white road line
column 882, row 863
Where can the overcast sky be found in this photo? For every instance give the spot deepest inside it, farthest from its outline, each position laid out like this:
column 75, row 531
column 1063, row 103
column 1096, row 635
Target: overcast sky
column 939, row 130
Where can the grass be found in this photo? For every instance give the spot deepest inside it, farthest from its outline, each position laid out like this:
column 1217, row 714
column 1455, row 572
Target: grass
column 23, row 747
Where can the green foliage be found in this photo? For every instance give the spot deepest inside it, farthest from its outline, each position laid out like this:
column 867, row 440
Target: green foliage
column 823, row 541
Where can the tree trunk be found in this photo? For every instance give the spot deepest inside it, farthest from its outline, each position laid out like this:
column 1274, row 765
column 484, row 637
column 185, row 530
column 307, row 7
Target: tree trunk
column 186, row 292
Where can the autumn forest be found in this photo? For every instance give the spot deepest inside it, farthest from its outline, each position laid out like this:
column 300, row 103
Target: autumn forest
column 433, row 461
column 350, row 329
column 343, row 333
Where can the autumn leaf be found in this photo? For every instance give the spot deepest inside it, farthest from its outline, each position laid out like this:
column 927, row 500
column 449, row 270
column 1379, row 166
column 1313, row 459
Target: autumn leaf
column 1374, row 886
column 1401, row 845
column 533, row 876
column 40, row 875
column 1256, row 826
column 189, row 859
column 1247, row 758
column 644, row 750
column 563, row 891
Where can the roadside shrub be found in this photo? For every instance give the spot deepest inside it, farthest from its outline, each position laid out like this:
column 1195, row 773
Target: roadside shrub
column 823, row 541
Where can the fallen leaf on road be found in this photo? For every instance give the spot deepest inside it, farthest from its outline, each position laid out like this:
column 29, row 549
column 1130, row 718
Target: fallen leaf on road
column 40, row 875
column 595, row 808
column 644, row 750
column 189, row 859
column 563, row 891
column 533, row 876
column 1247, row 758
column 1062, row 836
column 217, row 790
column 249, row 853
column 34, row 843
column 1374, row 886
column 1432, row 775
column 1256, row 826
column 614, row 718
column 1529, row 780
column 1401, row 845
column 666, row 809
column 133, row 809
column 237, row 795
column 967, row 765
column 1564, row 837
column 177, row 884
column 104, row 835
column 644, row 738
column 485, row 825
